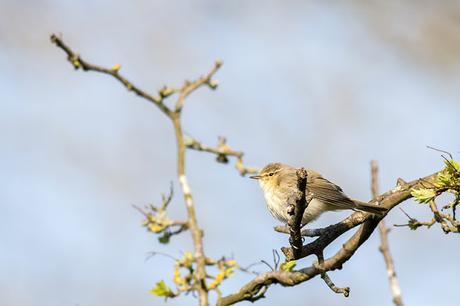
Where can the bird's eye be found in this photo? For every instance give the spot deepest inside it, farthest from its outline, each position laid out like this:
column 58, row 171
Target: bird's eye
column 270, row 174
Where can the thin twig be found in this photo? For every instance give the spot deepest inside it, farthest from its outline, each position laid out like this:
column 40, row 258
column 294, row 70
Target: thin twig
column 189, row 87
column 345, row 291
column 222, row 152
column 439, row 150
column 447, row 221
column 441, row 219
column 77, row 62
column 384, row 245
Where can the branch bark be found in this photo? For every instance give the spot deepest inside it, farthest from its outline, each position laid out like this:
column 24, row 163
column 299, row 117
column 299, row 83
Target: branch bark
column 223, row 151
column 296, row 210
column 197, row 233
column 384, row 245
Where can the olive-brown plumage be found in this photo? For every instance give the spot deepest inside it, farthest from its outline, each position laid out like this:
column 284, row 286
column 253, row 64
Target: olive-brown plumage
column 279, row 182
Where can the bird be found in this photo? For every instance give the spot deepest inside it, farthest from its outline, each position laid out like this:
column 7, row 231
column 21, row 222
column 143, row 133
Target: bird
column 279, row 183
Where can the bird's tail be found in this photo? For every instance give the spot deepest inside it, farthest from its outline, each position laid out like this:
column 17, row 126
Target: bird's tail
column 375, row 209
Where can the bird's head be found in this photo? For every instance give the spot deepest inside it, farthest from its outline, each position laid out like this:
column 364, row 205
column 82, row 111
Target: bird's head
column 268, row 177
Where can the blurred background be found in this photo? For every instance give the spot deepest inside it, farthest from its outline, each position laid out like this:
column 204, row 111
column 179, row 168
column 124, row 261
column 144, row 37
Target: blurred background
column 320, row 84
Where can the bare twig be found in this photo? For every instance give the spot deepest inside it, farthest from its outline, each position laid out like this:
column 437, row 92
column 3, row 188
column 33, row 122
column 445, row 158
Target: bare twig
column 448, row 222
column 153, row 254
column 77, row 62
column 439, row 150
column 345, row 291
column 189, row 87
column 444, row 219
column 384, row 245
column 222, row 152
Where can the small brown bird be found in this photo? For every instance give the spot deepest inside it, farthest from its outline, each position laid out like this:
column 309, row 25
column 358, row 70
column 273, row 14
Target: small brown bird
column 279, row 182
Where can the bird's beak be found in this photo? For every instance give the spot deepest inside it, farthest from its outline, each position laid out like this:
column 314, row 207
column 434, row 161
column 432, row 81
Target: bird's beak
column 255, row 177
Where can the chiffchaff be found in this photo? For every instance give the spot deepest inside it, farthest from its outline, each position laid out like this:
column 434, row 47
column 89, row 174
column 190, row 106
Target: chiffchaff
column 279, row 183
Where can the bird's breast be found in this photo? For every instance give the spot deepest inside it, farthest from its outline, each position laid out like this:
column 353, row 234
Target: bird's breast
column 277, row 205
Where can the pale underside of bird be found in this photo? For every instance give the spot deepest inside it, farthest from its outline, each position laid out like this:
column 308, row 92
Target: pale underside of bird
column 279, row 184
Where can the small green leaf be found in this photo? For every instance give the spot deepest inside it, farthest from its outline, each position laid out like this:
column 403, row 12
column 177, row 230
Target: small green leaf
column 288, row 266
column 229, row 272
column 452, row 166
column 164, row 239
column 423, row 195
column 444, row 179
column 161, row 289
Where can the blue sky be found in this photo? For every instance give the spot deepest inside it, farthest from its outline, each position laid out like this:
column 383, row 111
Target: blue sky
column 315, row 84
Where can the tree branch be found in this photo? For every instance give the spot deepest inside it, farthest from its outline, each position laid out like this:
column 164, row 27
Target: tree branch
column 222, row 152
column 78, row 62
column 197, row 234
column 296, row 210
column 189, row 87
column 256, row 288
column 384, row 245
column 369, row 222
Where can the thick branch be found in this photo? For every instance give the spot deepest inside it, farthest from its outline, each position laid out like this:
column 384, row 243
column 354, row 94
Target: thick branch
column 384, row 245
column 389, row 200
column 296, row 212
column 306, row 232
column 328, row 235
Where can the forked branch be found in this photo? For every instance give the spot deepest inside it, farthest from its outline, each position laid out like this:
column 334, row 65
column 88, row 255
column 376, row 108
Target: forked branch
column 368, row 223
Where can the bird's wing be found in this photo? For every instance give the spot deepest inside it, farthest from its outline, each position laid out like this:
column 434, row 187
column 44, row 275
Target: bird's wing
column 327, row 192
